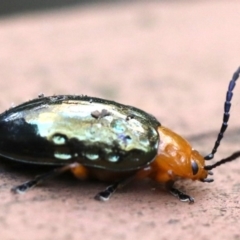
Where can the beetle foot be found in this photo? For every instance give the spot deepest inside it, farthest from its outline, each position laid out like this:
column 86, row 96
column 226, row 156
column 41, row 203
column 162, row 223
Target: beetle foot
column 24, row 187
column 107, row 193
column 181, row 196
column 43, row 177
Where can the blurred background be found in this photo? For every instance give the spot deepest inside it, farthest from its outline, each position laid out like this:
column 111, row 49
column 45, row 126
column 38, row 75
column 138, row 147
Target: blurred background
column 173, row 59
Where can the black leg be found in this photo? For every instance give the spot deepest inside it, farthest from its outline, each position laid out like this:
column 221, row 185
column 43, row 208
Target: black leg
column 38, row 179
column 181, row 196
column 177, row 193
column 106, row 194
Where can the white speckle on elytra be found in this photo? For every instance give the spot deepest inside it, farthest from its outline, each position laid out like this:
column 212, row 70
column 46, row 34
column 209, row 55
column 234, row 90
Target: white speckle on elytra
column 62, row 156
column 58, row 140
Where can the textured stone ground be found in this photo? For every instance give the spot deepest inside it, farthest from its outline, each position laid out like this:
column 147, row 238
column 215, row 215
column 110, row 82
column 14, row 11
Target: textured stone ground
column 173, row 59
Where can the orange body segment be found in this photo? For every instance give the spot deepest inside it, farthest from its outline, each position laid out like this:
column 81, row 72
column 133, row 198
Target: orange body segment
column 80, row 172
column 175, row 160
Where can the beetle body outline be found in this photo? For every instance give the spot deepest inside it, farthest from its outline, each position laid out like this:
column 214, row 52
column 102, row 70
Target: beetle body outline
column 105, row 140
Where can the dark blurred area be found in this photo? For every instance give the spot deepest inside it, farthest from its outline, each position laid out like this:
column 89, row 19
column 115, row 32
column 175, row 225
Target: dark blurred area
column 23, row 6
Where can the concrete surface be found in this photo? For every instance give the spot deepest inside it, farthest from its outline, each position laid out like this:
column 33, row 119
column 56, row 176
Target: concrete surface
column 173, row 59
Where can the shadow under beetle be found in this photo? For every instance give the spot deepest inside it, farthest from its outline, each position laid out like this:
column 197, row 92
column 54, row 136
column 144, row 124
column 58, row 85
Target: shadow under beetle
column 104, row 140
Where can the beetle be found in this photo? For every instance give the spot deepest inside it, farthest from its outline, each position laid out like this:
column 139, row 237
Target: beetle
column 104, row 140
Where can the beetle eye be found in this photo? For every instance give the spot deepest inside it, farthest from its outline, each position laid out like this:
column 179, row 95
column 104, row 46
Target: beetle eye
column 194, row 167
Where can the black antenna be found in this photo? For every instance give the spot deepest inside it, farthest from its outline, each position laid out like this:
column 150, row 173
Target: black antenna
column 226, row 115
column 225, row 160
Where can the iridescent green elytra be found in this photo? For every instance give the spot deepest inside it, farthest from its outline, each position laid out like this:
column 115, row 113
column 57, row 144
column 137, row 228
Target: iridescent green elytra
column 95, row 132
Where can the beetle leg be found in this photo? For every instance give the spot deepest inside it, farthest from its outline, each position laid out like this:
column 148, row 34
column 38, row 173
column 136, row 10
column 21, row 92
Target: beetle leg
column 106, row 194
column 177, row 193
column 43, row 177
column 182, row 196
